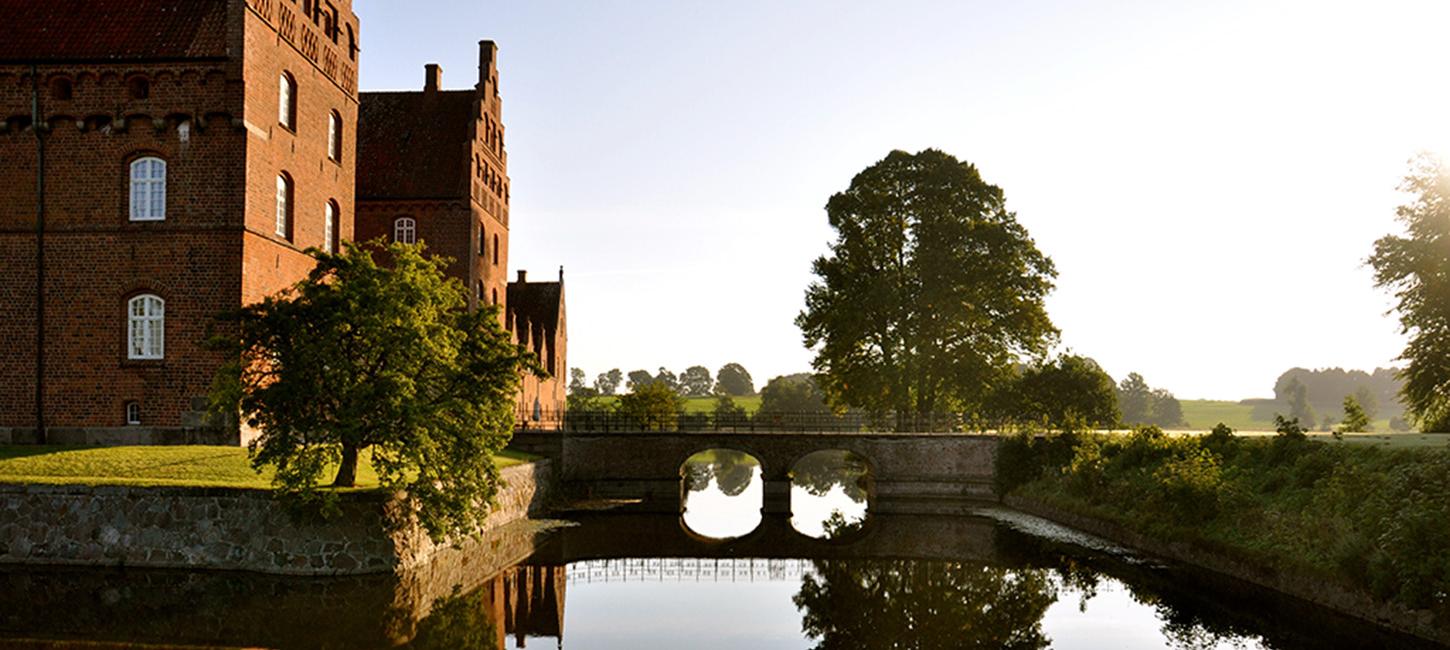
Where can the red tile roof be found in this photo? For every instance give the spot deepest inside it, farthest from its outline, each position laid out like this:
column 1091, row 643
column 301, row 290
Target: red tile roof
column 106, row 30
column 412, row 146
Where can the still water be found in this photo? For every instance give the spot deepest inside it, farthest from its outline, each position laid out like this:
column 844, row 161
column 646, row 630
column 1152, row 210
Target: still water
column 831, row 576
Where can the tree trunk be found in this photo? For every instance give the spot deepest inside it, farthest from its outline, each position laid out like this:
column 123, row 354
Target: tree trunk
column 347, row 470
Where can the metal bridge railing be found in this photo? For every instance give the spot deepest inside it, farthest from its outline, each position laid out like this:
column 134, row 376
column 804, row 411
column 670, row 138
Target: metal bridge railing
column 606, row 421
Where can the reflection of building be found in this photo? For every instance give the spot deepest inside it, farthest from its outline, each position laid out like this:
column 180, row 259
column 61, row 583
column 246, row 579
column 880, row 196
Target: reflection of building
column 434, row 170
column 180, row 155
column 526, row 601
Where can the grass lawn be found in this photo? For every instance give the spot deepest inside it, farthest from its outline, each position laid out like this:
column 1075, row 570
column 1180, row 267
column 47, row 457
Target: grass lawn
column 187, row 466
column 1205, row 413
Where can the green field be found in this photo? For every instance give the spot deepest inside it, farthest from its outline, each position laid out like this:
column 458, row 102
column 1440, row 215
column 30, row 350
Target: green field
column 185, row 466
column 1205, row 413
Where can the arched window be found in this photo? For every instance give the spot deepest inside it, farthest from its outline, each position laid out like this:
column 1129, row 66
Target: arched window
column 495, row 249
column 329, row 227
column 148, row 189
column 133, row 413
column 284, row 206
column 405, row 230
column 334, row 136
column 495, row 296
column 482, row 242
column 145, row 327
column 287, row 101
column 351, row 44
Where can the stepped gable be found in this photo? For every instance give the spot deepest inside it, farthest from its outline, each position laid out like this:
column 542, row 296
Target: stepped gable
column 112, row 30
column 415, row 145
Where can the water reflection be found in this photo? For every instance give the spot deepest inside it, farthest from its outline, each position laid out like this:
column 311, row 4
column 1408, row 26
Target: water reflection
column 723, row 493
column 829, row 493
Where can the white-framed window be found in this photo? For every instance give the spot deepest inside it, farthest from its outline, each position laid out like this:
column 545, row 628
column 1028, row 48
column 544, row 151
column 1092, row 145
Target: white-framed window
column 405, row 230
column 334, row 136
column 284, row 206
column 133, row 413
column 145, row 327
column 329, row 227
column 148, row 189
column 287, row 101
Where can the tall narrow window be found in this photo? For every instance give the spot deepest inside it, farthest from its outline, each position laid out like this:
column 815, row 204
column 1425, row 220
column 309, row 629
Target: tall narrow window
column 133, row 413
column 329, row 228
column 334, row 136
column 148, row 189
column 284, row 206
column 405, row 230
column 495, row 249
column 287, row 102
column 145, row 327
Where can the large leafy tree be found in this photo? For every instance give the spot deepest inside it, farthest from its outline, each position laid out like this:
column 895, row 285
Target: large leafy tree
column 1415, row 267
column 608, row 382
column 733, row 379
column 930, row 292
column 696, row 381
column 1066, row 392
column 386, row 359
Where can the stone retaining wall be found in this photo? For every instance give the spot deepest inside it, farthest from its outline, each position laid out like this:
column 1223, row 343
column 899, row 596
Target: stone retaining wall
column 1420, row 623
column 221, row 528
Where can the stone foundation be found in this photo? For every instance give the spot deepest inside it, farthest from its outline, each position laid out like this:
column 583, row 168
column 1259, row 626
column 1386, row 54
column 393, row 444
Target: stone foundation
column 231, row 529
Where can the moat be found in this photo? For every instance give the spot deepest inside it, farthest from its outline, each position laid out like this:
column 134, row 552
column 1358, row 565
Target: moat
column 843, row 578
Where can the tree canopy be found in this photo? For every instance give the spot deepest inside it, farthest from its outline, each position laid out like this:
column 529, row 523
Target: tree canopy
column 791, row 395
column 1143, row 404
column 1067, row 392
column 931, row 290
column 696, row 381
column 734, row 380
column 386, row 359
column 1415, row 267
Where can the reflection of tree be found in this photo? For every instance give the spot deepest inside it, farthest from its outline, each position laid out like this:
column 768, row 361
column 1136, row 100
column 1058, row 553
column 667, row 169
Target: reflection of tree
column 731, row 470
column 923, row 605
column 820, row 471
column 457, row 621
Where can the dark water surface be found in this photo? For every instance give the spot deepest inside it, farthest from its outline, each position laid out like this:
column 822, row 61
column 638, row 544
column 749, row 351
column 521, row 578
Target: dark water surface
column 722, row 576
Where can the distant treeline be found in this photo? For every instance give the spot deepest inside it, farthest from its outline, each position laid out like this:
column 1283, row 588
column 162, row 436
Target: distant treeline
column 1318, row 395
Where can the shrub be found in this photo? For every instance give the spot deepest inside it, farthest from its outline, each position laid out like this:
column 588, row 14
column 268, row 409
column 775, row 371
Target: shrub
column 1189, row 485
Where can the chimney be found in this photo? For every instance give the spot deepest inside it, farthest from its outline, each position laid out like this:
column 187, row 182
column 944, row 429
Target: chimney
column 523, row 276
column 432, row 78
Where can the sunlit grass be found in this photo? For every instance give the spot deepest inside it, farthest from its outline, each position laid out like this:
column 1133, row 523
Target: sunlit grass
column 182, row 466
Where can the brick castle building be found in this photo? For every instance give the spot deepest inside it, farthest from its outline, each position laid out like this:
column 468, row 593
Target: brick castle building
column 162, row 162
column 436, row 172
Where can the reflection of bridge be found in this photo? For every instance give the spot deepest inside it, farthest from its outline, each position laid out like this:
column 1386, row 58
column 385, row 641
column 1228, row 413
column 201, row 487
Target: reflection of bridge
column 688, row 570
column 910, row 472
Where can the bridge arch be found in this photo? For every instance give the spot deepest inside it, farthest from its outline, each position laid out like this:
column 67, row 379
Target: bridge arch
column 720, row 493
column 832, row 493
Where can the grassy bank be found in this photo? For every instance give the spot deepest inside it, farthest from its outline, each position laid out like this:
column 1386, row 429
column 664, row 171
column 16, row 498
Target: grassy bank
column 185, row 466
column 1204, row 413
column 751, row 403
column 1371, row 520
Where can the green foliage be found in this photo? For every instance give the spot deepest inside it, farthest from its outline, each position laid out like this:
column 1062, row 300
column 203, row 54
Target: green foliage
column 727, row 412
column 696, row 381
column 1415, row 267
column 359, row 357
column 1289, row 428
column 792, row 394
column 1143, row 404
column 607, row 383
column 1325, row 389
column 640, row 378
column 651, row 407
column 1352, row 515
column 1355, row 419
column 1298, row 398
column 1069, row 392
column 734, row 380
column 930, row 293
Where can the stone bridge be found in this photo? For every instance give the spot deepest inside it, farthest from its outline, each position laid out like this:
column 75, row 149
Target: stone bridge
column 911, row 473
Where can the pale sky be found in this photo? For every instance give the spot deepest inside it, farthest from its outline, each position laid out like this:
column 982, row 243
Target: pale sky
column 1208, row 176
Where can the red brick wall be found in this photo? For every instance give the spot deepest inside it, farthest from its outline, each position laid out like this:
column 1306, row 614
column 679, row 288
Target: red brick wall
column 215, row 123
